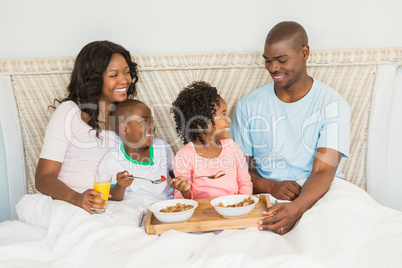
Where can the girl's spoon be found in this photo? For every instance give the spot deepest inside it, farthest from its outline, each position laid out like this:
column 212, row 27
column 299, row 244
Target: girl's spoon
column 218, row 174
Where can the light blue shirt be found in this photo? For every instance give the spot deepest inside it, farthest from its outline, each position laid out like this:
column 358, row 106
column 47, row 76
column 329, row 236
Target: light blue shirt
column 283, row 137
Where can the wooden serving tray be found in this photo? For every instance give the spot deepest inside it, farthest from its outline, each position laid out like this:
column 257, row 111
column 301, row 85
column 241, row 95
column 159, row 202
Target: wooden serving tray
column 205, row 218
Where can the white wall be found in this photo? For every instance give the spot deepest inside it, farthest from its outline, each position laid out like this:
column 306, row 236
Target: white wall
column 47, row 28
column 51, row 28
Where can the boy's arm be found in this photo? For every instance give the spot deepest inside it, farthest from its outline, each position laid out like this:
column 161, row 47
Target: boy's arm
column 118, row 190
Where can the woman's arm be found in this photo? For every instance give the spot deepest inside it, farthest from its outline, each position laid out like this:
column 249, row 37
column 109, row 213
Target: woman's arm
column 46, row 182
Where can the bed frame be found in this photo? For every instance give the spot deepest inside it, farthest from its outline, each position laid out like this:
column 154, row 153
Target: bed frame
column 365, row 77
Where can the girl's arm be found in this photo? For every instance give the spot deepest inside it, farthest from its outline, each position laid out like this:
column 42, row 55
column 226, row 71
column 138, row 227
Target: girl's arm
column 181, row 185
column 183, row 169
column 243, row 176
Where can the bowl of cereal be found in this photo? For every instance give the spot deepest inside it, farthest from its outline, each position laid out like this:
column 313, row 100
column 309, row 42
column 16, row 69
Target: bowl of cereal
column 234, row 206
column 173, row 210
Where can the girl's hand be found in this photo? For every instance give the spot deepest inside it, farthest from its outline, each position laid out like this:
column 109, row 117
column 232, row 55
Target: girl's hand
column 181, row 184
column 122, row 179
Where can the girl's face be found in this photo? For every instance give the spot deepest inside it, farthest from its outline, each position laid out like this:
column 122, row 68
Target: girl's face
column 138, row 128
column 116, row 80
column 222, row 122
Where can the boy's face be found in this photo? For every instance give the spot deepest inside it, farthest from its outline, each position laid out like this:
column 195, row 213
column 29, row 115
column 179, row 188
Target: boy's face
column 138, row 128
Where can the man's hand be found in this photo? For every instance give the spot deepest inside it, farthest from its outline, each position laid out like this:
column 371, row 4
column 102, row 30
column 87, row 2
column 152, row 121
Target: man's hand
column 281, row 218
column 285, row 190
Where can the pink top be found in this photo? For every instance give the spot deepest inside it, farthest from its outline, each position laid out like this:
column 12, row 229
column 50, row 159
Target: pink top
column 189, row 164
column 71, row 141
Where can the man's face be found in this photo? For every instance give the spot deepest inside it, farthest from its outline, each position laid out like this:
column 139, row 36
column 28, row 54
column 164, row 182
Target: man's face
column 284, row 63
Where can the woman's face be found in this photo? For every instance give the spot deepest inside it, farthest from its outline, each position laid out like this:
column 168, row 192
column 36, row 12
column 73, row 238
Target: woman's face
column 116, row 80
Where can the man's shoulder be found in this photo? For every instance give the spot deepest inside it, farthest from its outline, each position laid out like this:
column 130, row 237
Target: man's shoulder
column 256, row 94
column 327, row 92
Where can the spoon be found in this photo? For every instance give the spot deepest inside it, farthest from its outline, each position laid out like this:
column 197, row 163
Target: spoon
column 218, row 174
column 162, row 179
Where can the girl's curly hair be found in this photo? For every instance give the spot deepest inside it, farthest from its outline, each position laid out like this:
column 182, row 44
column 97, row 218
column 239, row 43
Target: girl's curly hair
column 86, row 82
column 195, row 107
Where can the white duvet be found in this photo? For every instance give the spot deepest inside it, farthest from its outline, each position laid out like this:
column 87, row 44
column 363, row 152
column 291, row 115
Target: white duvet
column 346, row 228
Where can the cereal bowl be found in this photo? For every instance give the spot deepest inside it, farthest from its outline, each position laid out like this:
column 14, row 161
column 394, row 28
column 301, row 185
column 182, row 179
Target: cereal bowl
column 171, row 217
column 233, row 212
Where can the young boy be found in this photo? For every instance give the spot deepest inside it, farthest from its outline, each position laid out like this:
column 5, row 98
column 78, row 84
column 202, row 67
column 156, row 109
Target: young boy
column 139, row 155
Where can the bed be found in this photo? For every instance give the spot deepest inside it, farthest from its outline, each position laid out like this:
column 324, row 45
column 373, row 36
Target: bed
column 348, row 227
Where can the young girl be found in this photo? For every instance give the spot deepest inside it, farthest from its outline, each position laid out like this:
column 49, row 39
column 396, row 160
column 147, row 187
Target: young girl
column 202, row 122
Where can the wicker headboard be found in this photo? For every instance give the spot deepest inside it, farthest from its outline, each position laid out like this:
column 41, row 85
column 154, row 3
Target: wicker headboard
column 37, row 82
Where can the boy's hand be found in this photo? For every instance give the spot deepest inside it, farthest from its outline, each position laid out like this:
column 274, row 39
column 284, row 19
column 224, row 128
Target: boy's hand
column 122, row 179
column 181, row 184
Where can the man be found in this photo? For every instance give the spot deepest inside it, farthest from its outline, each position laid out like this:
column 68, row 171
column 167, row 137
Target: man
column 294, row 128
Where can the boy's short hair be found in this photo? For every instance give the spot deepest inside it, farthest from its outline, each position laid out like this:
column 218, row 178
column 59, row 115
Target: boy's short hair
column 195, row 107
column 121, row 112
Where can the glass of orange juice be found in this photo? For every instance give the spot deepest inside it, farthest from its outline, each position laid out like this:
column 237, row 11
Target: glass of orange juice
column 102, row 184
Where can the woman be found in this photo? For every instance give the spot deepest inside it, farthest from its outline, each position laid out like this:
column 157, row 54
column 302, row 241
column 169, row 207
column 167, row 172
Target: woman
column 78, row 136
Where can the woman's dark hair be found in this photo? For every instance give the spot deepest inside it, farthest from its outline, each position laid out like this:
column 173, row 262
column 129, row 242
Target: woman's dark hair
column 86, row 82
column 195, row 107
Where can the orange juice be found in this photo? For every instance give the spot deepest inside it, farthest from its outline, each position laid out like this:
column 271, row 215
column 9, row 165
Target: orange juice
column 102, row 185
column 104, row 188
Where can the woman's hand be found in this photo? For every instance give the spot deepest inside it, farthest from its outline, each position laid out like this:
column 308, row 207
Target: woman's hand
column 181, row 184
column 280, row 218
column 89, row 199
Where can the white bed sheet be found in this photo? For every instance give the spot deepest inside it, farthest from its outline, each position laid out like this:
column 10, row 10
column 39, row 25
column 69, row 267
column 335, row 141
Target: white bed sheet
column 346, row 228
